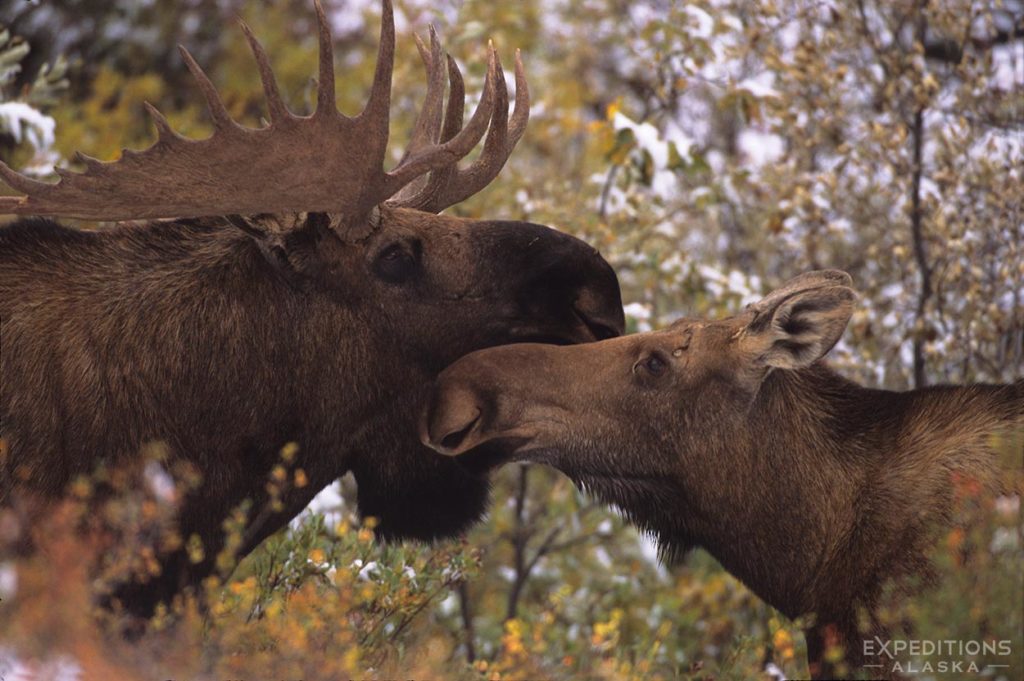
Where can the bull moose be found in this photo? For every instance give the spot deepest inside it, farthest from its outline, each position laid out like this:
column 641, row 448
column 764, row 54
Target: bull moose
column 731, row 435
column 276, row 285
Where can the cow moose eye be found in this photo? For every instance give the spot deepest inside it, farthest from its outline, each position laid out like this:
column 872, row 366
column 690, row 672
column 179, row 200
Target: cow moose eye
column 397, row 263
column 654, row 364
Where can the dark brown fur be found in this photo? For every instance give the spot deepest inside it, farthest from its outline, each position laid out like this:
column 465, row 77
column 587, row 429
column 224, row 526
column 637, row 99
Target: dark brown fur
column 813, row 490
column 188, row 333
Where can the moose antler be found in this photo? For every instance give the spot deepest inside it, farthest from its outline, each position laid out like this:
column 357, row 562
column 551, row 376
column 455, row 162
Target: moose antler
column 325, row 162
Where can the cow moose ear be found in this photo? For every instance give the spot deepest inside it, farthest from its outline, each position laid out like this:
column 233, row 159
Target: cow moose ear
column 799, row 329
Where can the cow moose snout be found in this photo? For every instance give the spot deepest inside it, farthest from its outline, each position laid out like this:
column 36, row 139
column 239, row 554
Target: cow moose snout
column 451, row 422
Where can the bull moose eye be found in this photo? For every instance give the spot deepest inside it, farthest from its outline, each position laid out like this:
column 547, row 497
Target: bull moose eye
column 397, row 263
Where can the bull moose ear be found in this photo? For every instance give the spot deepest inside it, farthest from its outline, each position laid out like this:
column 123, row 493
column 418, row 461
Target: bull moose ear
column 796, row 330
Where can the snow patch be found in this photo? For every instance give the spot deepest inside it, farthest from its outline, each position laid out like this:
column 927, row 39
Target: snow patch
column 24, row 122
column 761, row 85
column 760, row 148
column 702, row 23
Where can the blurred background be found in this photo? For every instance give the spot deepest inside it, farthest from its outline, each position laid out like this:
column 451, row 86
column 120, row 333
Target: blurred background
column 710, row 150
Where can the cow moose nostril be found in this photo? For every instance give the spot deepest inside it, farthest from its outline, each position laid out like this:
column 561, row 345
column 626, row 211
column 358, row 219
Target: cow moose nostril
column 452, row 440
column 451, row 421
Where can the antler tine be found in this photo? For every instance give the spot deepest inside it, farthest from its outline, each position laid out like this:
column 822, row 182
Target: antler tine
column 501, row 140
column 496, row 133
column 25, row 185
column 428, row 122
column 420, row 198
column 445, row 153
column 86, row 160
column 451, row 185
column 429, row 194
column 378, row 106
column 456, row 101
column 214, row 104
column 521, row 115
column 464, row 183
column 275, row 104
column 325, row 98
column 164, row 130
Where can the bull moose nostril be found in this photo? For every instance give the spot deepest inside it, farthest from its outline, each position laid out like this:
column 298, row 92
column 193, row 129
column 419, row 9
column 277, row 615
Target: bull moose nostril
column 600, row 329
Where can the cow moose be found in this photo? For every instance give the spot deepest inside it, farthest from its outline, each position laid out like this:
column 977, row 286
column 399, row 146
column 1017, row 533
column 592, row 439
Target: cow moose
column 731, row 435
column 277, row 285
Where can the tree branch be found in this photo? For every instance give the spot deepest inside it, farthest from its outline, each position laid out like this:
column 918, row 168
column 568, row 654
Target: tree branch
column 468, row 633
column 519, row 537
column 917, row 133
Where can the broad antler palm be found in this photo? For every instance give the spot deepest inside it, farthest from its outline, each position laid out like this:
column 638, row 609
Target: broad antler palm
column 326, row 162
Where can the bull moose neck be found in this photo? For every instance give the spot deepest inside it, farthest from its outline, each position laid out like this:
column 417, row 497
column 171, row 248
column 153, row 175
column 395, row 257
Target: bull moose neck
column 194, row 339
column 831, row 507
